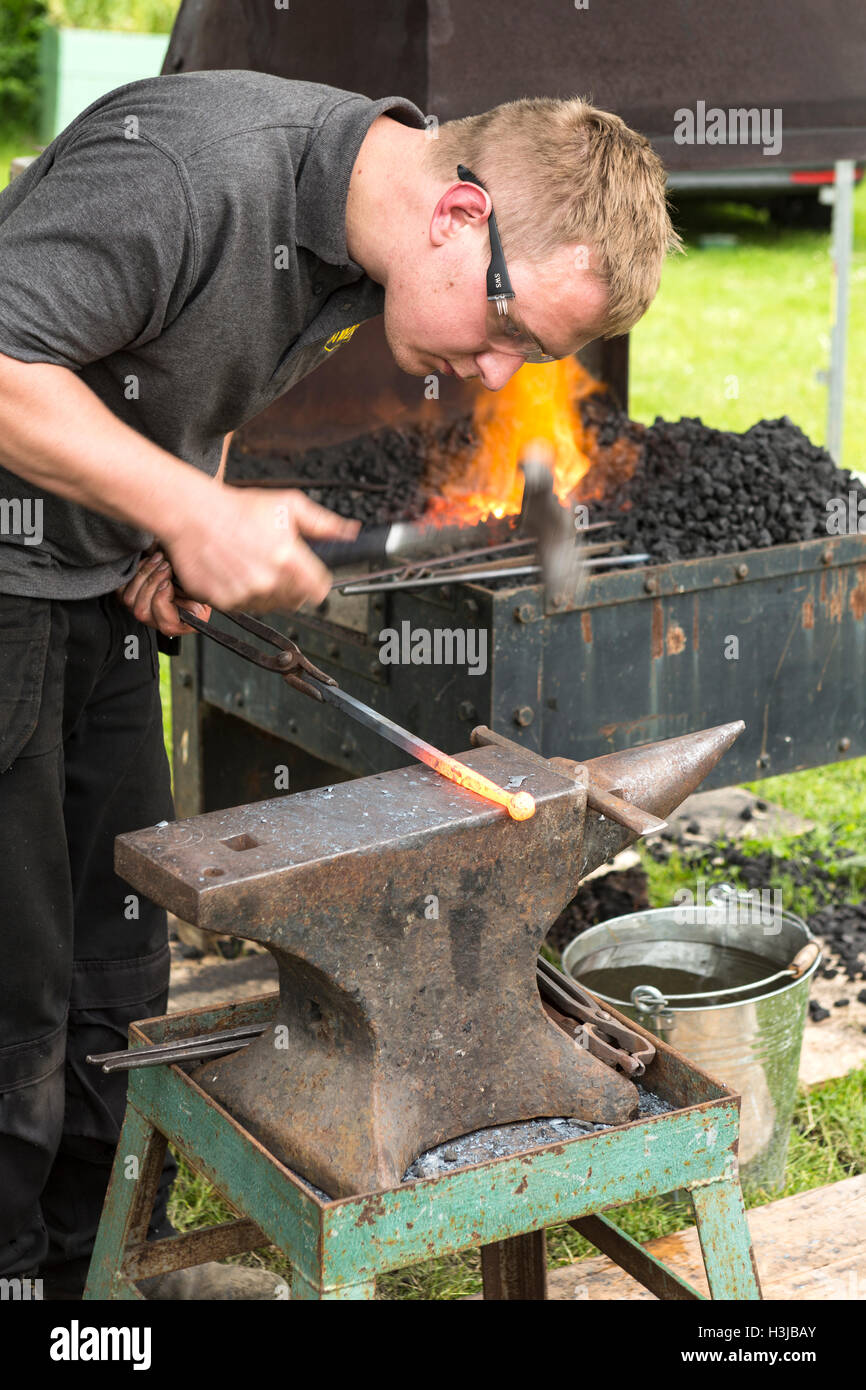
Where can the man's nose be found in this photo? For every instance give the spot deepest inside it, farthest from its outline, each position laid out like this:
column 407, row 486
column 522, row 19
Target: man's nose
column 496, row 368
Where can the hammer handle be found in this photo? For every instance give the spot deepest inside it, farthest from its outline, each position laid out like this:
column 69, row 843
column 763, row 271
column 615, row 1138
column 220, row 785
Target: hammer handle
column 369, row 544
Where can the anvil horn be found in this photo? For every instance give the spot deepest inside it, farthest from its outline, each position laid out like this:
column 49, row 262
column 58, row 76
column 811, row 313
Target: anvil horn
column 656, row 777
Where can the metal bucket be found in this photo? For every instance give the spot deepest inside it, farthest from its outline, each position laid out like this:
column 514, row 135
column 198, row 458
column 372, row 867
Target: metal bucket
column 726, row 985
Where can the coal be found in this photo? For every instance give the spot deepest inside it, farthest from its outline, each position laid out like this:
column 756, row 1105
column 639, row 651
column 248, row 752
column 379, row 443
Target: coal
column 676, row 489
column 839, row 921
column 816, row 1013
column 347, row 478
column 610, row 895
column 189, row 952
column 697, row 491
column 392, row 458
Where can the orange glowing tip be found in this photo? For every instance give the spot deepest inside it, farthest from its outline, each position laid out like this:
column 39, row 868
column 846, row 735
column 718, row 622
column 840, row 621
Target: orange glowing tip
column 519, row 805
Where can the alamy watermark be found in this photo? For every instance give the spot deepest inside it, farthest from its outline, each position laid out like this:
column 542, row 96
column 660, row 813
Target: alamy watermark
column 438, row 646
column 22, row 516
column 77, row 1343
column 19, row 1290
column 846, row 516
column 756, row 907
column 738, row 125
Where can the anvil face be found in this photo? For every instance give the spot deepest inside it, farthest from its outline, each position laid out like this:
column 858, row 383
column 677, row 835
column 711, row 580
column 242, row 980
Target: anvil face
column 405, row 915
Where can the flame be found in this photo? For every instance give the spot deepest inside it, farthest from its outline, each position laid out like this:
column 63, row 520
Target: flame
column 539, row 402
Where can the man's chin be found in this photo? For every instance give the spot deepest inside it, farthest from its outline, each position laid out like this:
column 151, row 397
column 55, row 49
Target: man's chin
column 413, row 361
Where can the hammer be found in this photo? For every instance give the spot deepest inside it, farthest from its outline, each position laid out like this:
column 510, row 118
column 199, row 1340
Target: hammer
column 552, row 525
column 542, row 517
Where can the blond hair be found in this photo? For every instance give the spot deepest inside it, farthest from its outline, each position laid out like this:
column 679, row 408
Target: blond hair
column 563, row 172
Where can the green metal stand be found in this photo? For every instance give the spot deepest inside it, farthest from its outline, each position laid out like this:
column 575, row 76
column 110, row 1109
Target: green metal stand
column 337, row 1248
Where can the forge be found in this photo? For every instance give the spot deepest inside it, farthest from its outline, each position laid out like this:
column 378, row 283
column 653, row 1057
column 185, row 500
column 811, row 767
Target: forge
column 714, row 592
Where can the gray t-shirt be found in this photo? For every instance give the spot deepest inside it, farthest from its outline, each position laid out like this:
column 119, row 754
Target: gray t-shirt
column 182, row 246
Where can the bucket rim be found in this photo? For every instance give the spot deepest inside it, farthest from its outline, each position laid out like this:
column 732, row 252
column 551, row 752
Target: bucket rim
column 631, row 918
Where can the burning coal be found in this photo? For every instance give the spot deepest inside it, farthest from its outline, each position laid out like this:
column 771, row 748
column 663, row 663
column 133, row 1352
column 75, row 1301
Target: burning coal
column 674, row 489
column 539, row 402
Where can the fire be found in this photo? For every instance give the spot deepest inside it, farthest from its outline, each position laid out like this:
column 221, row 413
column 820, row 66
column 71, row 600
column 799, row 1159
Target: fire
column 539, row 402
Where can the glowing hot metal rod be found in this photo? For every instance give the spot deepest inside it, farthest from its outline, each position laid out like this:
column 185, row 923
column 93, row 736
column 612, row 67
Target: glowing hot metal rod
column 519, row 805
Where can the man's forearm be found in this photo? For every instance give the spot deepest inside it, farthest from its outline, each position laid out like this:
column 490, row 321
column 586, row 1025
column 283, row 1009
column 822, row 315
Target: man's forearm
column 57, row 434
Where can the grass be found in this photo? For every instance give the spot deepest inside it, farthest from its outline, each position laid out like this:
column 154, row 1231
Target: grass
column 130, row 16
column 828, row 1143
column 165, row 696
column 754, row 318
column 834, row 796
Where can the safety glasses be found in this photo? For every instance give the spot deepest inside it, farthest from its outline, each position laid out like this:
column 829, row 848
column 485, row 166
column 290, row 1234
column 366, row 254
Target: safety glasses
column 503, row 331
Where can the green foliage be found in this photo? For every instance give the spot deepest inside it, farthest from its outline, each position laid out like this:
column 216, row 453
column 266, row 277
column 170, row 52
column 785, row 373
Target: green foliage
column 760, row 312
column 130, row 16
column 21, row 23
column 165, row 696
column 833, row 796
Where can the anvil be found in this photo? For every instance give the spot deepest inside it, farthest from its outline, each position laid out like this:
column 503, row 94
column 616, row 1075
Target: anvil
column 406, row 915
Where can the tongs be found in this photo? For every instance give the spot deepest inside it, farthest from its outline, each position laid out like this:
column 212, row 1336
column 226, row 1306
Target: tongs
column 597, row 1031
column 293, row 666
column 289, row 663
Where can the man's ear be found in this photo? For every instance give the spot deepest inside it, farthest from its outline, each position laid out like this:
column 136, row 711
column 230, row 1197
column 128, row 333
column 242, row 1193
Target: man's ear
column 460, row 205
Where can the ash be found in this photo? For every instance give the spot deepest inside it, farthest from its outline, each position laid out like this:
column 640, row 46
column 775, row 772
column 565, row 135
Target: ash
column 484, row 1144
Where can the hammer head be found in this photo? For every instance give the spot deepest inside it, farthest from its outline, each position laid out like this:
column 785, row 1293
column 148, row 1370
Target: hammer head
column 552, row 525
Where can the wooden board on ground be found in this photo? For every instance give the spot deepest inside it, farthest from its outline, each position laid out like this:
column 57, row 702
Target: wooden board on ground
column 810, row 1246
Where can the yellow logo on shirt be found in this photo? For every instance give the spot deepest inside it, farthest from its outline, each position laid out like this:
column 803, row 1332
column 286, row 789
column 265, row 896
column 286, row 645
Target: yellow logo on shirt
column 337, row 339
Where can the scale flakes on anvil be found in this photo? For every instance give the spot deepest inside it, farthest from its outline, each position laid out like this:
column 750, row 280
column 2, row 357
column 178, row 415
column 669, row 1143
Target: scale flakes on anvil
column 406, row 916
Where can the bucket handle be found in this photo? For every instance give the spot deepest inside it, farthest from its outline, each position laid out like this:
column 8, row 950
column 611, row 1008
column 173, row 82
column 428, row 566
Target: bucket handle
column 804, row 959
column 649, row 1000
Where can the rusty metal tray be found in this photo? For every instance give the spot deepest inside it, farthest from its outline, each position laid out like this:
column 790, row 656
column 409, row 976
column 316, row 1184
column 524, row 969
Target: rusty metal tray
column 337, row 1248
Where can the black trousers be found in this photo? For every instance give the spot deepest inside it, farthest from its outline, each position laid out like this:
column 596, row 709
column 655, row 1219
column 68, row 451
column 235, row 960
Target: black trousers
column 82, row 760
